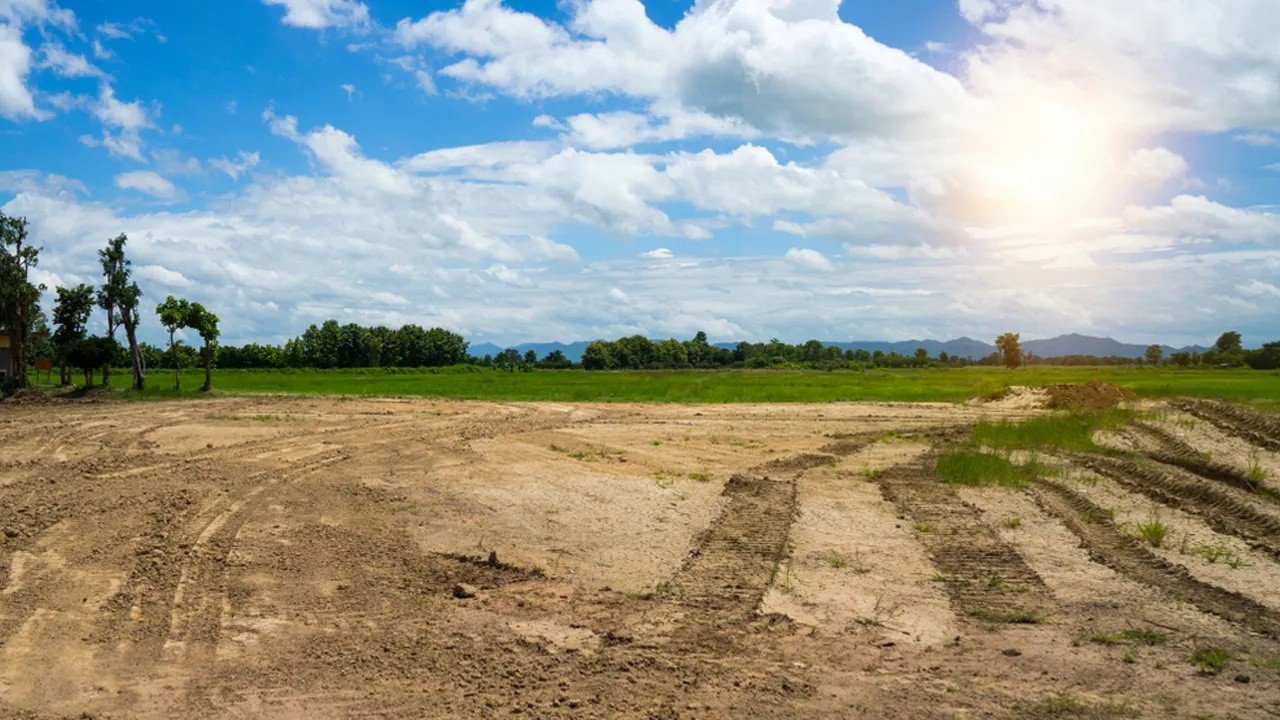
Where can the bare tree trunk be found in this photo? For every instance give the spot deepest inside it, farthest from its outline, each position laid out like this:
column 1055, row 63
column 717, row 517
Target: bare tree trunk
column 177, row 370
column 208, row 367
column 111, row 333
column 135, row 352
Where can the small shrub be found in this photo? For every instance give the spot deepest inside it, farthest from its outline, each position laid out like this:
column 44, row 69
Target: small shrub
column 1255, row 474
column 1012, row 523
column 1153, row 530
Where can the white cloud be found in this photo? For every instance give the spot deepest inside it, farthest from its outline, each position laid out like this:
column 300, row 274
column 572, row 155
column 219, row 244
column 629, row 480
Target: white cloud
column 321, row 14
column 67, row 64
column 128, row 119
column 16, row 102
column 146, row 181
column 791, row 69
column 1154, row 167
column 658, row 254
column 1196, row 219
column 811, row 259
column 1152, row 65
column 1257, row 139
column 243, row 162
column 350, row 90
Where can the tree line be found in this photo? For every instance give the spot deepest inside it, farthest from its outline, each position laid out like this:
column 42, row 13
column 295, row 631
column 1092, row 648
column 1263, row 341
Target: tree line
column 1227, row 352
column 68, row 343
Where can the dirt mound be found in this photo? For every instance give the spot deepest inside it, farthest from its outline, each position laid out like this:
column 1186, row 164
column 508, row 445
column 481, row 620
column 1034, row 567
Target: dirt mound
column 27, row 396
column 1015, row 397
column 1093, row 395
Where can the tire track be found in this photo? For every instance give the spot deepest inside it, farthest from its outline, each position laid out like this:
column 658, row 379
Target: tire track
column 1173, row 451
column 985, row 577
column 196, row 606
column 1219, row 508
column 1122, row 553
column 722, row 582
column 1255, row 429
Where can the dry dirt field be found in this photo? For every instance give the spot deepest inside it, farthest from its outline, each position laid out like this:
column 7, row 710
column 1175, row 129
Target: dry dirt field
column 302, row 557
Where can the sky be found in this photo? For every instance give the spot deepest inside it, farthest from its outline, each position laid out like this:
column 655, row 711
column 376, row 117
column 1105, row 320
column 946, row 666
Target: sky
column 537, row 171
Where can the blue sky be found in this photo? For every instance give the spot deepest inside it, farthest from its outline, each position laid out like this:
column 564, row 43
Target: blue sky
column 764, row 168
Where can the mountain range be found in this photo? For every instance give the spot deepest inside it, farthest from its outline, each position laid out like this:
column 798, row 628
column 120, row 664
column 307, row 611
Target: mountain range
column 1070, row 344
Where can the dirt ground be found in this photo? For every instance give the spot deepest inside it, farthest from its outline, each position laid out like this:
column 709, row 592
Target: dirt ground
column 353, row 558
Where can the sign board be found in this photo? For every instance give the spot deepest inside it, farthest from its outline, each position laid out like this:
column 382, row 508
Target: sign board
column 44, row 364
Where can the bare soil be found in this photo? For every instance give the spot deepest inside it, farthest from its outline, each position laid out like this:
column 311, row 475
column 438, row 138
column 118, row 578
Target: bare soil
column 344, row 558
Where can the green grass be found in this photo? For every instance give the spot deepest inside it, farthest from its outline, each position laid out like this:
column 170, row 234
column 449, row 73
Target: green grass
column 724, row 386
column 1211, row 661
column 975, row 468
column 1073, row 431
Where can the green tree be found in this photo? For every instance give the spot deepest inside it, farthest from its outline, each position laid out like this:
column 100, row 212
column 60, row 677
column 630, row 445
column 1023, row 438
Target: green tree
column 1009, row 346
column 921, row 357
column 598, row 355
column 174, row 313
column 1154, row 355
column 1266, row 357
column 19, row 297
column 70, row 317
column 120, row 297
column 1228, row 343
column 205, row 324
column 89, row 353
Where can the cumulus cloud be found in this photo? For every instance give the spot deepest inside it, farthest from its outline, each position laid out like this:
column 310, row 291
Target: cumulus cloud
column 811, row 259
column 1153, row 65
column 321, row 14
column 16, row 101
column 788, row 68
column 148, row 182
column 123, row 123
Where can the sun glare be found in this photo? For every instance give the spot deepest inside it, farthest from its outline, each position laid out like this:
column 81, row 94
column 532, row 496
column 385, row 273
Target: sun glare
column 1043, row 161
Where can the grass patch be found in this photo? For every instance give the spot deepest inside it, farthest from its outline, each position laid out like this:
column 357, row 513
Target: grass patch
column 976, row 468
column 1072, row 431
column 1012, row 523
column 1257, row 387
column 1014, row 616
column 1266, row 663
column 1069, row 706
column 1154, row 531
column 1211, row 661
column 1255, row 474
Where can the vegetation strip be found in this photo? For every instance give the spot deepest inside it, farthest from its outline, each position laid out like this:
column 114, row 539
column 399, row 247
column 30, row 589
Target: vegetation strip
column 1122, row 553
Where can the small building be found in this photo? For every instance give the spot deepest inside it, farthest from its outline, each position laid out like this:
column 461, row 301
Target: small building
column 6, row 355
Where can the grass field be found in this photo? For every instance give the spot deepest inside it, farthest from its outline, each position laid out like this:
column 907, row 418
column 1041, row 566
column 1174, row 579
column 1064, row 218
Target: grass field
column 945, row 385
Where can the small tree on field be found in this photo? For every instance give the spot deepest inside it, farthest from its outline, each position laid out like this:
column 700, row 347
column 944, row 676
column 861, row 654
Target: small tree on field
column 206, row 324
column 120, row 296
column 70, row 315
column 1010, row 348
column 19, row 297
column 1155, row 354
column 174, row 313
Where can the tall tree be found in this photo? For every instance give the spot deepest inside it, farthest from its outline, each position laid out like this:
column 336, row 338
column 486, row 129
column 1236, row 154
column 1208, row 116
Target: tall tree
column 70, row 316
column 19, row 297
column 174, row 313
column 206, row 324
column 1010, row 347
column 1154, row 355
column 120, row 296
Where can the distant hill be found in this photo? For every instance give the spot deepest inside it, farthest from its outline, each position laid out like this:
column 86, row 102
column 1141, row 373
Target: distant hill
column 1070, row 344
column 573, row 350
